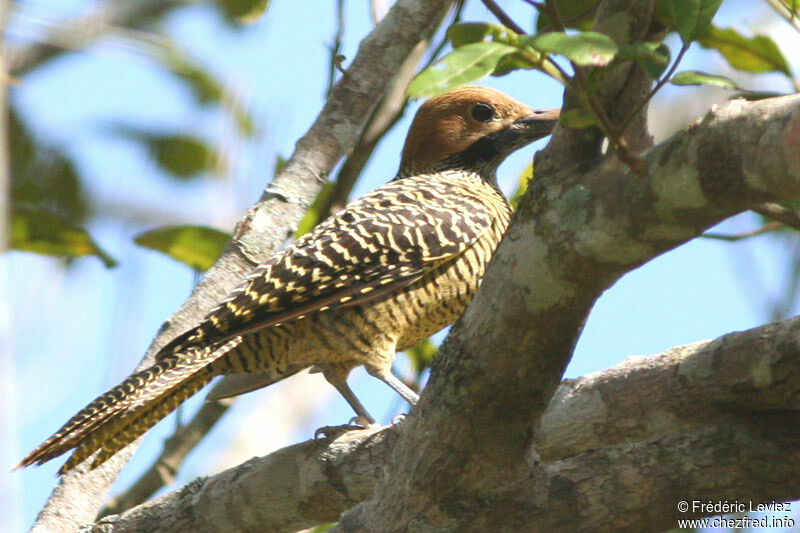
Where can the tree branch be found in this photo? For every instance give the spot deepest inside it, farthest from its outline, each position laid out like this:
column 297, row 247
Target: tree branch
column 268, row 223
column 177, row 447
column 576, row 233
column 659, row 419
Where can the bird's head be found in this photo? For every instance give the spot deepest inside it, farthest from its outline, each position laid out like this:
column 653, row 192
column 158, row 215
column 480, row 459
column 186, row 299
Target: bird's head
column 472, row 128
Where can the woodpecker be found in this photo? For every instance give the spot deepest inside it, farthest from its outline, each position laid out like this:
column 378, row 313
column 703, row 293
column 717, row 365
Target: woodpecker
column 387, row 271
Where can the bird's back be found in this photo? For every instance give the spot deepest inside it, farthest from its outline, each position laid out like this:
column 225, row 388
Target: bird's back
column 373, row 330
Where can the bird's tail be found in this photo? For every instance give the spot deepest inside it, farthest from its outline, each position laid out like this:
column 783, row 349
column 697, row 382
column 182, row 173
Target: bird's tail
column 121, row 415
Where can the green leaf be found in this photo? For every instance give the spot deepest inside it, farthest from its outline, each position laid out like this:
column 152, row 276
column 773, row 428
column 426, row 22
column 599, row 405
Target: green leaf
column 243, row 11
column 43, row 176
column 314, row 214
column 577, row 119
column 421, row 355
column 464, row 64
column 183, row 156
column 34, row 229
column 476, row 32
column 586, row 48
column 515, row 61
column 196, row 246
column 755, row 54
column 575, row 14
column 692, row 17
column 695, row 77
column 652, row 57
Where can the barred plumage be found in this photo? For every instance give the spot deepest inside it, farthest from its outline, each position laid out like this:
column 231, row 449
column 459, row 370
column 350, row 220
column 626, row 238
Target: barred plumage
column 390, row 269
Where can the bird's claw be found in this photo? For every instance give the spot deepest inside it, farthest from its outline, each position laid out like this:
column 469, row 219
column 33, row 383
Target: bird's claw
column 332, row 432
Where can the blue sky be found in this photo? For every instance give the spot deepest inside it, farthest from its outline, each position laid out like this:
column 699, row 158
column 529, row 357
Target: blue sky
column 77, row 332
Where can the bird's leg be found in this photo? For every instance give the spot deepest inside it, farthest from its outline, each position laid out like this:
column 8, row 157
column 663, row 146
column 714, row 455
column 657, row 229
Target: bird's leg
column 395, row 383
column 337, row 376
column 363, row 416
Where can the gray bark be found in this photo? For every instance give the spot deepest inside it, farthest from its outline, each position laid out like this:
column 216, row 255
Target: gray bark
column 616, row 451
column 576, row 233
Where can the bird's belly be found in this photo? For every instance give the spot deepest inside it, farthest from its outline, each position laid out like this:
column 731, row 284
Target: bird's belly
column 433, row 302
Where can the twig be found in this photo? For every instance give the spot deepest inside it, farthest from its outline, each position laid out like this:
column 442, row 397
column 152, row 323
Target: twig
column 766, row 228
column 336, row 46
column 664, row 79
column 503, row 17
column 389, row 111
column 569, row 20
column 781, row 214
column 790, row 16
column 619, row 144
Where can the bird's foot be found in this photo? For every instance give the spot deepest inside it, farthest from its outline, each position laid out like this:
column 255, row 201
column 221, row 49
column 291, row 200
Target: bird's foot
column 332, row 432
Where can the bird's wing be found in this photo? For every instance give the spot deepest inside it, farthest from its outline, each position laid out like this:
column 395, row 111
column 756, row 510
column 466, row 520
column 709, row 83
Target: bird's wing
column 380, row 243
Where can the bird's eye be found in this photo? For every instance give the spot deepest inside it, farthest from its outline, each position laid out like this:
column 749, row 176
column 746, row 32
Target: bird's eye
column 482, row 112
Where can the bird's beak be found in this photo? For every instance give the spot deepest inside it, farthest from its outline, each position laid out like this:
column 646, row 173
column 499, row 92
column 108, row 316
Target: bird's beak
column 538, row 124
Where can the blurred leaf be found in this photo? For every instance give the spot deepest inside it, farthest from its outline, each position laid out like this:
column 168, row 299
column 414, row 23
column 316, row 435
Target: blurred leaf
column 692, row 17
column 755, row 54
column 421, row 355
column 51, row 182
column 183, row 156
column 586, row 48
column 476, row 32
column 22, row 147
column 243, row 11
column 577, row 119
column 196, row 246
column 464, row 64
column 695, row 77
column 43, row 176
column 652, row 57
column 522, row 186
column 34, row 229
column 244, row 121
column 313, row 215
column 206, row 89
column 575, row 14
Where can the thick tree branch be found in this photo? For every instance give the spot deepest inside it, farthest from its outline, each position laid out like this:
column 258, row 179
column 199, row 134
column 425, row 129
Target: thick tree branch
column 267, row 224
column 717, row 416
column 575, row 234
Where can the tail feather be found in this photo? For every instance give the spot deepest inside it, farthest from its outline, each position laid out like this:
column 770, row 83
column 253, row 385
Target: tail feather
column 137, row 397
column 120, row 431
